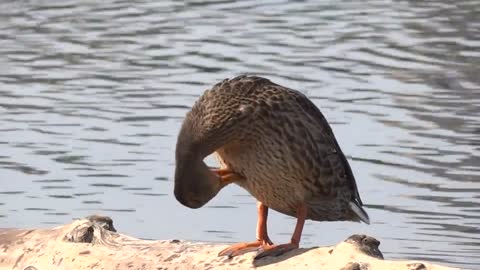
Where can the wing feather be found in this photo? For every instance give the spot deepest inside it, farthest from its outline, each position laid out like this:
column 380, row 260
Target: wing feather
column 320, row 120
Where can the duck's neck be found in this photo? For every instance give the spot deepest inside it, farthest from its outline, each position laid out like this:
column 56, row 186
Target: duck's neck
column 188, row 155
column 191, row 143
column 195, row 184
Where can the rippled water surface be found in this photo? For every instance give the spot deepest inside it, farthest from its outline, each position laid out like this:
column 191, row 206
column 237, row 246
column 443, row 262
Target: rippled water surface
column 92, row 95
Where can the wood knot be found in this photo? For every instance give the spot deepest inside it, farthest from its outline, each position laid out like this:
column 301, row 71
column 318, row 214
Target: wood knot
column 103, row 221
column 416, row 266
column 85, row 232
column 356, row 266
column 81, row 234
column 367, row 244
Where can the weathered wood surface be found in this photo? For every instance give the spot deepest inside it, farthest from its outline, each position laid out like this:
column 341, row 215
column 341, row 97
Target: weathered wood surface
column 93, row 243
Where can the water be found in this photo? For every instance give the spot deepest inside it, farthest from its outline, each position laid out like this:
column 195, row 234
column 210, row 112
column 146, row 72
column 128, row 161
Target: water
column 92, row 95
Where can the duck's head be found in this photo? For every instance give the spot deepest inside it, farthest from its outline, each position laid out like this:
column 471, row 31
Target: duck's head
column 195, row 183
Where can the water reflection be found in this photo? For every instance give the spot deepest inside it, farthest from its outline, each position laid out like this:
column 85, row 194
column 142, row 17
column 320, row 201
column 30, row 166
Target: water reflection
column 92, row 95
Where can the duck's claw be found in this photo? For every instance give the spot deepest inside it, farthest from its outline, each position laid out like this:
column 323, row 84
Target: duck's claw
column 275, row 250
column 240, row 248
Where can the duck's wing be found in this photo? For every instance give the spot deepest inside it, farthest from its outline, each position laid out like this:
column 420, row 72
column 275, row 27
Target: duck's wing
column 335, row 155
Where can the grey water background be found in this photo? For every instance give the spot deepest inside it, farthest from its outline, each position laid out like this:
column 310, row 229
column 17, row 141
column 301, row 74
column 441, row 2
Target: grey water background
column 92, row 95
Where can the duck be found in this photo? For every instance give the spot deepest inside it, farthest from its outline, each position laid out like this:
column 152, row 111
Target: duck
column 275, row 143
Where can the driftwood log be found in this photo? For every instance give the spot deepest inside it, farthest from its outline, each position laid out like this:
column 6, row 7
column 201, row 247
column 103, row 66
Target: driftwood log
column 93, row 243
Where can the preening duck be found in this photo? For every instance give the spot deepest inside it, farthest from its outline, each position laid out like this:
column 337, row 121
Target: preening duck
column 275, row 143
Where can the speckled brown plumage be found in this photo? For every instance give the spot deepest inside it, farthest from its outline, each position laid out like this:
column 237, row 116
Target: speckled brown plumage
column 279, row 146
column 280, row 142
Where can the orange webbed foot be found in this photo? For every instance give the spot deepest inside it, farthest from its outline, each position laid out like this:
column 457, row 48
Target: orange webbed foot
column 221, row 171
column 227, row 176
column 275, row 250
column 241, row 248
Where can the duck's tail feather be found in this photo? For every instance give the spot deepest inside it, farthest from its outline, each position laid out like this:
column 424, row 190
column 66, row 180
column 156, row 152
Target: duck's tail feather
column 359, row 211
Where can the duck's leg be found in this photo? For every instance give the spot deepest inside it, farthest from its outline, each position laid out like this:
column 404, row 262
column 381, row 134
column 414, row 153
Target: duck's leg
column 277, row 250
column 262, row 236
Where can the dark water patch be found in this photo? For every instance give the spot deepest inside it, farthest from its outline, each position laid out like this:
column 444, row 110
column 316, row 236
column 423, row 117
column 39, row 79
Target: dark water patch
column 104, row 175
column 22, row 168
column 218, row 231
column 9, row 130
column 139, row 125
column 149, row 194
column 37, row 209
column 56, row 125
column 143, row 118
column 110, row 164
column 383, row 162
column 171, row 106
column 56, row 187
column 11, row 192
column 81, row 194
column 48, row 132
column 11, row 106
column 57, row 214
column 27, row 145
column 101, row 129
column 137, row 188
column 118, row 210
column 91, row 202
column 83, row 168
column 69, row 159
column 49, row 152
column 61, row 196
column 105, row 185
column 147, row 135
column 52, row 180
column 143, row 153
column 134, row 160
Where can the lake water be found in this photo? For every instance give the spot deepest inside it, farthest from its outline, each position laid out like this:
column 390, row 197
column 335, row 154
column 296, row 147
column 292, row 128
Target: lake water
column 92, row 95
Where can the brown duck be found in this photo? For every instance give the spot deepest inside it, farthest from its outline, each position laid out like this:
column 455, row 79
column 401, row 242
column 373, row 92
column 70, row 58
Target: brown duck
column 274, row 142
